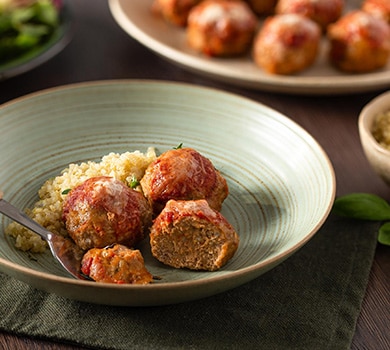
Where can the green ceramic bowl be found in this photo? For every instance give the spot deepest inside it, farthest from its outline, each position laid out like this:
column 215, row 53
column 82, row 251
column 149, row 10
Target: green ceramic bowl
column 281, row 182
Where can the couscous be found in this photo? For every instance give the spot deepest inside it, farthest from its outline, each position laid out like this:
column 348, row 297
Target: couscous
column 381, row 129
column 47, row 211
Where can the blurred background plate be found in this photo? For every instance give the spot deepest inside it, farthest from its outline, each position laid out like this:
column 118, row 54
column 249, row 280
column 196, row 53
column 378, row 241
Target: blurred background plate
column 137, row 19
column 281, row 182
column 41, row 54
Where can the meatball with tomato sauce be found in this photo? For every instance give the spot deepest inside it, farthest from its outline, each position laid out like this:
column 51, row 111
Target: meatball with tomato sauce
column 359, row 42
column 263, row 7
column 379, row 8
column 102, row 211
column 286, row 44
column 323, row 12
column 115, row 264
column 183, row 174
column 190, row 234
column 174, row 11
column 221, row 27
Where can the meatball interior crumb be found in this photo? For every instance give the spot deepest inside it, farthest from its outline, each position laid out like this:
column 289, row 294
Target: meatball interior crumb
column 190, row 234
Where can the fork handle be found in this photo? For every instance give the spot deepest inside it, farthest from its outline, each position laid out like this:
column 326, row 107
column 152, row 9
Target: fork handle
column 15, row 214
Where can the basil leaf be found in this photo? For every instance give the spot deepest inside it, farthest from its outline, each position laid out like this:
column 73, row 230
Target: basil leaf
column 384, row 234
column 66, row 191
column 363, row 206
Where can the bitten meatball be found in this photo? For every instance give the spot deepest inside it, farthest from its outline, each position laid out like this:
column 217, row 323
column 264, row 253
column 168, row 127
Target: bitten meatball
column 221, row 27
column 115, row 264
column 359, row 42
column 189, row 234
column 286, row 44
column 174, row 11
column 102, row 211
column 379, row 8
column 262, row 7
column 323, row 12
column 183, row 174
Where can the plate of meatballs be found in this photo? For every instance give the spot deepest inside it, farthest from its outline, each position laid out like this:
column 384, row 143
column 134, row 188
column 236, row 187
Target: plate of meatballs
column 286, row 46
column 166, row 200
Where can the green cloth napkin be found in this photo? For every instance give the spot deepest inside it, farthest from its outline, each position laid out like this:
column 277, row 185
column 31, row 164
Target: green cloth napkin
column 311, row 301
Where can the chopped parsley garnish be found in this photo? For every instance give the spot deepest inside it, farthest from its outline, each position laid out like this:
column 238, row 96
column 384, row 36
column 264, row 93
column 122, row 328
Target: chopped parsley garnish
column 179, row 146
column 134, row 182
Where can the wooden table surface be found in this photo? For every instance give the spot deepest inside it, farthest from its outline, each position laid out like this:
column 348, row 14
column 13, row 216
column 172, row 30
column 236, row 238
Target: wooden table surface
column 101, row 50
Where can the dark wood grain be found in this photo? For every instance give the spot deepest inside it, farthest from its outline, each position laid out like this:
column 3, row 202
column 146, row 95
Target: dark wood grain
column 101, row 50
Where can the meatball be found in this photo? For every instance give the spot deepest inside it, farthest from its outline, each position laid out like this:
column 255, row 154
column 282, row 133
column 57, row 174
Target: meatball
column 323, row 12
column 286, row 44
column 183, row 174
column 380, row 8
column 359, row 42
column 221, row 27
column 189, row 234
column 174, row 11
column 262, row 7
column 102, row 211
column 115, row 264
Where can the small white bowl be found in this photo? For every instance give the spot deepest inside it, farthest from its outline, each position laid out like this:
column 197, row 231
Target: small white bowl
column 377, row 155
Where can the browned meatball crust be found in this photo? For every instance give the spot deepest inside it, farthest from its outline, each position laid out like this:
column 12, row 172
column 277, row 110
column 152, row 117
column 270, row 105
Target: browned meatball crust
column 189, row 234
column 102, row 211
column 263, row 7
column 115, row 264
column 286, row 44
column 359, row 42
column 174, row 11
column 183, row 174
column 379, row 8
column 323, row 12
column 221, row 27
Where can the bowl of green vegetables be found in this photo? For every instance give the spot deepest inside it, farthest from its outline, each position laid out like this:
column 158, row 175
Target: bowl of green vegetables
column 31, row 32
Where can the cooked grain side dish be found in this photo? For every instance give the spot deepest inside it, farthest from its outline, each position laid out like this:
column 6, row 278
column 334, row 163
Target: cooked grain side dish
column 381, row 129
column 47, row 211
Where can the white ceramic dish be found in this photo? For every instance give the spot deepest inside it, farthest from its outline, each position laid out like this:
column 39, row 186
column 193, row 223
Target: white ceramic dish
column 282, row 184
column 41, row 54
column 377, row 156
column 136, row 19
